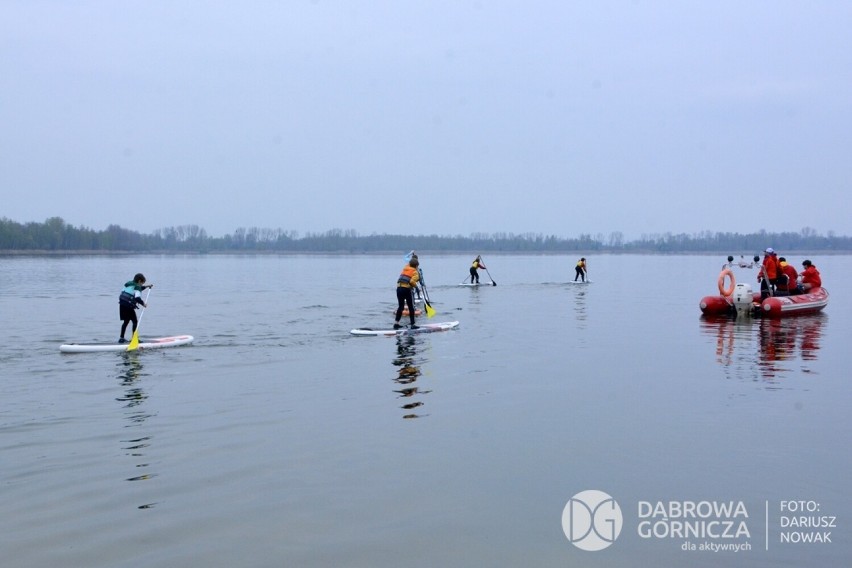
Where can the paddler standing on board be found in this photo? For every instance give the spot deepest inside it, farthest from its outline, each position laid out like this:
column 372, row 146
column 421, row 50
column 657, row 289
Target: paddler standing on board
column 405, row 286
column 417, row 295
column 580, row 269
column 477, row 264
column 128, row 300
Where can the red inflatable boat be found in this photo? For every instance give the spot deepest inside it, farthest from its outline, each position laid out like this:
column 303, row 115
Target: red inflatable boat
column 741, row 300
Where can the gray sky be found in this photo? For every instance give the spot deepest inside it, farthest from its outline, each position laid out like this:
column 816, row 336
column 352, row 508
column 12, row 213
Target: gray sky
column 447, row 117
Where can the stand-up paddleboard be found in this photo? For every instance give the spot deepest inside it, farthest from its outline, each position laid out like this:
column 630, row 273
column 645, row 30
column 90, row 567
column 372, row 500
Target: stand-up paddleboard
column 475, row 284
column 157, row 343
column 425, row 328
column 579, row 282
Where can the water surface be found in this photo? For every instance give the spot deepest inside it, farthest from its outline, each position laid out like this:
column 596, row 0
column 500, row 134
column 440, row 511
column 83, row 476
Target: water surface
column 278, row 439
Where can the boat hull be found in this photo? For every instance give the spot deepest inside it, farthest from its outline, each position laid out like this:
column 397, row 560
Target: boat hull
column 774, row 307
column 800, row 304
column 720, row 305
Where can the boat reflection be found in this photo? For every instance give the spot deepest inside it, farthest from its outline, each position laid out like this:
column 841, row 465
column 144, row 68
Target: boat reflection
column 764, row 348
column 408, row 372
column 135, row 444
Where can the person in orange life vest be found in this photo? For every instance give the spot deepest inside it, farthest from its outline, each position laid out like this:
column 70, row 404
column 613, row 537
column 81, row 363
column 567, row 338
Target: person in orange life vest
column 405, row 286
column 810, row 277
column 790, row 273
column 769, row 273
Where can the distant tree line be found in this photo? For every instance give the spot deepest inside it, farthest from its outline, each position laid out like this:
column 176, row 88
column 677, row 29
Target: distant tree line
column 55, row 235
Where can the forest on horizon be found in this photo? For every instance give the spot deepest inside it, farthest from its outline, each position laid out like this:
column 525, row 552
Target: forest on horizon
column 55, row 235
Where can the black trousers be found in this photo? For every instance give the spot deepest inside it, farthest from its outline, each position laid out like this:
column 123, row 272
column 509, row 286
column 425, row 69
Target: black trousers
column 404, row 296
column 127, row 314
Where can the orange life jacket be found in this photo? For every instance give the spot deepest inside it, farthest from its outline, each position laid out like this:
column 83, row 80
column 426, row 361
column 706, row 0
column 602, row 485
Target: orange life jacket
column 770, row 267
column 409, row 277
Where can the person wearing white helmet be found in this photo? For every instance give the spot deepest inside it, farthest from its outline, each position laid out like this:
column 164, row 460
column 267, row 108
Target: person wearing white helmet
column 769, row 273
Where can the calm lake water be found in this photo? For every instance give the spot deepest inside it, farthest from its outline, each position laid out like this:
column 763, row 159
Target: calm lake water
column 277, row 439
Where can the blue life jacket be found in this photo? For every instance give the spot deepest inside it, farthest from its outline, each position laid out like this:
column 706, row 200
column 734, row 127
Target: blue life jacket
column 128, row 295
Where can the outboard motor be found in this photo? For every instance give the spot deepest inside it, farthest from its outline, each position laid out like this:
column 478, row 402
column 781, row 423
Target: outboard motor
column 743, row 298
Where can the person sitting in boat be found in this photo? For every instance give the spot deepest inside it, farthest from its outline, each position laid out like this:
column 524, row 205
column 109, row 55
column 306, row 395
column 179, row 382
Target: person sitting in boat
column 787, row 283
column 580, row 270
column 769, row 273
column 810, row 277
column 474, row 274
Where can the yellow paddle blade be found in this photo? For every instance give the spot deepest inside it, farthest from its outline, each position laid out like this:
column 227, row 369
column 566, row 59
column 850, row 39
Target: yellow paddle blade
column 134, row 342
column 430, row 311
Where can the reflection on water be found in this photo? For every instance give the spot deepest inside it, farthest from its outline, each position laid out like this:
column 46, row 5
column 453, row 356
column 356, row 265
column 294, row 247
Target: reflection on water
column 408, row 372
column 580, row 306
column 131, row 371
column 765, row 348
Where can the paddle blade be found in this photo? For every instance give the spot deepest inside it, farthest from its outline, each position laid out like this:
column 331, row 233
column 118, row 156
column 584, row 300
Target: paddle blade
column 493, row 283
column 134, row 342
column 430, row 311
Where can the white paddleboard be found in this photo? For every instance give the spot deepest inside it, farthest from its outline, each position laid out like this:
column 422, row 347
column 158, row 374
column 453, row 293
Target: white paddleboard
column 579, row 282
column 157, row 343
column 425, row 328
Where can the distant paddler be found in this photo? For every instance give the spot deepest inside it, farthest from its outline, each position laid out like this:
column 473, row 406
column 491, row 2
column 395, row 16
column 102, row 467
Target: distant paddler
column 474, row 269
column 580, row 269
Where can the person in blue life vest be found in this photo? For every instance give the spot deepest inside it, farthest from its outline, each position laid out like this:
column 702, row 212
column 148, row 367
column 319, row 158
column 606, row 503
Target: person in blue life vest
column 474, row 267
column 405, row 286
column 129, row 299
column 417, row 295
column 580, row 269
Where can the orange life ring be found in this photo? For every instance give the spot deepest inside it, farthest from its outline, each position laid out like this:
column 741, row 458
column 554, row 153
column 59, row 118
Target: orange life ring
column 726, row 291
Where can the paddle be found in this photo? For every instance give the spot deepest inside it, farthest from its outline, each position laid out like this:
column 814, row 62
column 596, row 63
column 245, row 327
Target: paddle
column 489, row 274
column 430, row 311
column 134, row 341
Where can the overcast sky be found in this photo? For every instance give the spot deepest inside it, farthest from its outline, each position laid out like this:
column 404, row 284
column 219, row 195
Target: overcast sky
column 419, row 117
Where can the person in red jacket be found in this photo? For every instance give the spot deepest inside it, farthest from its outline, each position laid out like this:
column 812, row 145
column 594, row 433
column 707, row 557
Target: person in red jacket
column 810, row 277
column 769, row 273
column 787, row 283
